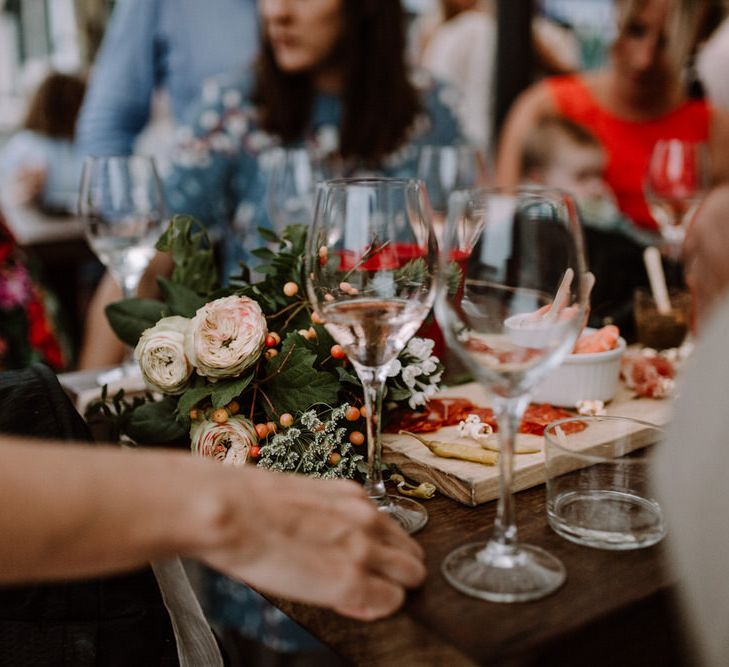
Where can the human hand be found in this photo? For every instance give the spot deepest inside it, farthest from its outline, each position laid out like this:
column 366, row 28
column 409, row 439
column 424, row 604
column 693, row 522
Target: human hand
column 321, row 542
column 705, row 252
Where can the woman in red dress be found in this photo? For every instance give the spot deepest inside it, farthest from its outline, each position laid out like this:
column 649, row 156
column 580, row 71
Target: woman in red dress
column 636, row 100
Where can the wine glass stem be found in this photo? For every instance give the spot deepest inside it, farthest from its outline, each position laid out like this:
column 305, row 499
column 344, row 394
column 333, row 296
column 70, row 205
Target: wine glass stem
column 508, row 412
column 373, row 382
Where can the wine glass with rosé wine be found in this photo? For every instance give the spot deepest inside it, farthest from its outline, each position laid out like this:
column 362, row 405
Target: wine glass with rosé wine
column 516, row 314
column 371, row 265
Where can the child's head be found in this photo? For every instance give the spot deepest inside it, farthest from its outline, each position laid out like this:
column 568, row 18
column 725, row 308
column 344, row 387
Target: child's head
column 54, row 107
column 561, row 154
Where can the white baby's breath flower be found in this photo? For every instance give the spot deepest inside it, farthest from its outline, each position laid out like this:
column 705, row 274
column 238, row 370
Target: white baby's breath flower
column 417, row 398
column 209, row 119
column 226, row 336
column 231, row 99
column 394, row 369
column 420, row 348
column 409, row 374
column 160, row 353
column 229, row 442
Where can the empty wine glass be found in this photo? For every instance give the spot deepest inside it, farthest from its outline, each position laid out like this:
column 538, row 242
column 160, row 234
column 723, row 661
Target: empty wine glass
column 445, row 169
column 371, row 262
column 291, row 178
column 675, row 182
column 516, row 313
column 122, row 211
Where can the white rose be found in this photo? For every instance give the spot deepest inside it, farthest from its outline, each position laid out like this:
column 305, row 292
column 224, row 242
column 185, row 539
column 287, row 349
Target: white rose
column 225, row 337
column 160, row 353
column 229, row 442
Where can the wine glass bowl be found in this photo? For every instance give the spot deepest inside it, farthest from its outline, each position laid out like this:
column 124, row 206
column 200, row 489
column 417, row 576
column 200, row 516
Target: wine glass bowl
column 122, row 211
column 516, row 313
column 371, row 264
column 677, row 178
column 291, row 178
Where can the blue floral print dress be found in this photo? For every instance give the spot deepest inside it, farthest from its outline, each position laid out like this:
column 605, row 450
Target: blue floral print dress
column 217, row 175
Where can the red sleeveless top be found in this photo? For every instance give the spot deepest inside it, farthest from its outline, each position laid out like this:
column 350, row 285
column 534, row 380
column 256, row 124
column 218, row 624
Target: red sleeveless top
column 628, row 143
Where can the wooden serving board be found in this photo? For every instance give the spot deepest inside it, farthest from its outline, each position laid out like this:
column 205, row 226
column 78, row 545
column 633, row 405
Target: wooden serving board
column 475, row 483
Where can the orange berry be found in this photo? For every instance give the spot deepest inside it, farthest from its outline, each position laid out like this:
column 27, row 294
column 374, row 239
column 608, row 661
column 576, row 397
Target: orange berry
column 194, row 414
column 261, row 431
column 316, row 319
column 352, row 414
column 270, row 341
column 270, row 353
column 334, row 458
column 323, row 252
column 272, row 428
column 290, row 289
column 356, row 437
column 363, row 411
column 337, row 352
column 275, row 336
column 255, row 451
column 220, row 416
column 286, row 419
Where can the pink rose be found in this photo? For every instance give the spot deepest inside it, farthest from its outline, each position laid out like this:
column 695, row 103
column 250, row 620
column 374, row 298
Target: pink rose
column 229, row 442
column 225, row 337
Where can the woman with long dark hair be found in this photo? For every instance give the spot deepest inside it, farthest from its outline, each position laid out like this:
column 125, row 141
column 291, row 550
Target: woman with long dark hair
column 331, row 77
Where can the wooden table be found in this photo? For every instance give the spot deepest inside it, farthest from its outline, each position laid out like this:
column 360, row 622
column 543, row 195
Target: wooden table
column 616, row 608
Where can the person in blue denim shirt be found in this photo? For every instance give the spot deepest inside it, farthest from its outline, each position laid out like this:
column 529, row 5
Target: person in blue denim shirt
column 151, row 44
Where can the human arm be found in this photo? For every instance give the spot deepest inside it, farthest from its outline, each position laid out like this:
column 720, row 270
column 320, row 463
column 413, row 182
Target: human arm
column 705, row 252
column 78, row 511
column 533, row 104
column 118, row 99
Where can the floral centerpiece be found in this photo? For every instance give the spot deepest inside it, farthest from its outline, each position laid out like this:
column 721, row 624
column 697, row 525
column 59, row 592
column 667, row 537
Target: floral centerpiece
column 247, row 373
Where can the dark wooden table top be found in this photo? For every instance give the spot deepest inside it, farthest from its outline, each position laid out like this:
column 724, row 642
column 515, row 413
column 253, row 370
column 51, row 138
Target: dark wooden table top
column 615, row 608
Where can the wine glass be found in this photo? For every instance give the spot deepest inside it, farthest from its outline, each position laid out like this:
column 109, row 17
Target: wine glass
column 371, row 263
column 122, row 210
column 291, row 178
column 515, row 314
column 445, row 169
column 675, row 182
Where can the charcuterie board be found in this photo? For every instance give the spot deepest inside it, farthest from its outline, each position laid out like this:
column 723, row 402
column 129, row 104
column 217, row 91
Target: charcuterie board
column 475, row 483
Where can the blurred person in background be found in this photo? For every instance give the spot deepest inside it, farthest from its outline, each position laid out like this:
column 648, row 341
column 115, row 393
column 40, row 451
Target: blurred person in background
column 559, row 153
column 39, row 164
column 637, row 99
column 456, row 42
column 160, row 44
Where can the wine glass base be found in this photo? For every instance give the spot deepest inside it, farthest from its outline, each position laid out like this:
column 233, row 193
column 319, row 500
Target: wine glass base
column 503, row 574
column 411, row 515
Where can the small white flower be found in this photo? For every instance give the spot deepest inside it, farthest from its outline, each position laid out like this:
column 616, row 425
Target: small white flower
column 236, row 124
column 226, row 336
column 420, row 348
column 231, row 99
column 209, row 119
column 210, row 92
column 160, row 353
column 221, row 142
column 429, row 365
column 418, row 398
column 409, row 375
column 394, row 369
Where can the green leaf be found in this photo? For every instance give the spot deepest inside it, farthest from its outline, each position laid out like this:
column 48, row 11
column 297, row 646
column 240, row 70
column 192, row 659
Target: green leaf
column 187, row 242
column 268, row 235
column 130, row 317
column 155, row 423
column 295, row 384
column 180, row 300
column 347, row 377
column 225, row 391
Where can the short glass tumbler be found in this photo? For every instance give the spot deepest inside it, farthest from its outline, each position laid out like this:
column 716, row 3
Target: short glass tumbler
column 598, row 482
